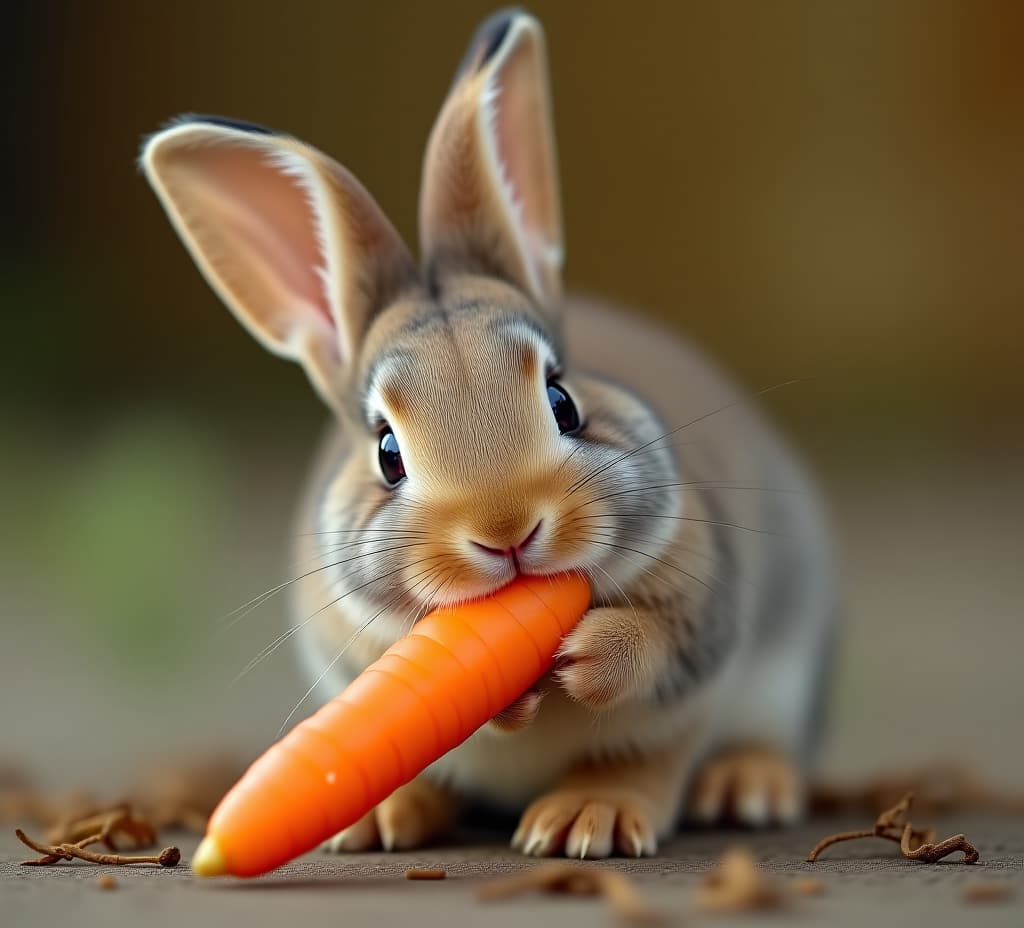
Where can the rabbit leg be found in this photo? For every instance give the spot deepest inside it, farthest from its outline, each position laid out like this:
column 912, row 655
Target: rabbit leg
column 753, row 785
column 412, row 816
column 603, row 807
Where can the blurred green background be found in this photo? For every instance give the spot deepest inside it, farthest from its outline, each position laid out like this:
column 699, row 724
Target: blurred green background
column 821, row 190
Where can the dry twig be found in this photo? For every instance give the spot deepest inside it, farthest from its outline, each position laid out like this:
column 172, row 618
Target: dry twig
column 932, row 853
column 54, row 853
column 915, row 844
column 73, row 839
column 108, row 824
column 563, row 877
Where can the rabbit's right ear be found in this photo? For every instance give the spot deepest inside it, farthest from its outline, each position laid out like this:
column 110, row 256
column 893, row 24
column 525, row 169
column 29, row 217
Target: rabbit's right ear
column 490, row 200
column 289, row 240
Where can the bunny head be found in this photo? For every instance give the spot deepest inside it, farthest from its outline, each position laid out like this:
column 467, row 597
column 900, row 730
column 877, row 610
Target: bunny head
column 473, row 450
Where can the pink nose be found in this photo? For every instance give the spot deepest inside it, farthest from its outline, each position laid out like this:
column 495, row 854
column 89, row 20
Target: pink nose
column 515, row 550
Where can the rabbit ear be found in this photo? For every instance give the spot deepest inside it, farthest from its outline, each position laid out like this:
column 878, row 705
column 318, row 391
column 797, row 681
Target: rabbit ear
column 490, row 198
column 289, row 239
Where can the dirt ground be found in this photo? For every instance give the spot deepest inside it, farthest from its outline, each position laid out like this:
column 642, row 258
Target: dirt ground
column 865, row 883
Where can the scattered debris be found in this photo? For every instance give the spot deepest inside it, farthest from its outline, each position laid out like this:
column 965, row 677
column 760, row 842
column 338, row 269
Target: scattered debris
column 107, row 825
column 572, row 879
column 808, row 886
column 426, row 873
column 915, row 844
column 986, row 892
column 106, row 881
column 737, row 885
column 73, row 839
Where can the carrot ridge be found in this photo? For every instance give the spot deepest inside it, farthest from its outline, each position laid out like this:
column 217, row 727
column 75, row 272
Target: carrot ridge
column 430, row 691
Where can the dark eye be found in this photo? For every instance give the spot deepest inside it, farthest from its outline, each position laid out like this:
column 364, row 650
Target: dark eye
column 390, row 456
column 563, row 407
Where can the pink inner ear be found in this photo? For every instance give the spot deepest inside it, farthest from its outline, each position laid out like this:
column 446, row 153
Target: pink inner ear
column 261, row 233
column 525, row 144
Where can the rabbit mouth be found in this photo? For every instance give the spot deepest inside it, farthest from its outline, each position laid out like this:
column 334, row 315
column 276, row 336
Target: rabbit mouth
column 479, row 586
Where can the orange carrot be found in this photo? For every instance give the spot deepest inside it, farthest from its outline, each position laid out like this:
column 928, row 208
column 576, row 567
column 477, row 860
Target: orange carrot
column 458, row 668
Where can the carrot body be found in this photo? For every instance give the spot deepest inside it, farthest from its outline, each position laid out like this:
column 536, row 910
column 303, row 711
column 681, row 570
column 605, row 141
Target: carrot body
column 431, row 690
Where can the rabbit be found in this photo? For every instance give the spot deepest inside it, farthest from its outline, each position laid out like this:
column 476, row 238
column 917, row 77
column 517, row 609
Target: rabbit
column 486, row 425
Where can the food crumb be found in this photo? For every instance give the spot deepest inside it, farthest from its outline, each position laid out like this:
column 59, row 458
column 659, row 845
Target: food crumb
column 986, row 892
column 808, row 886
column 426, row 873
column 563, row 877
column 736, row 885
column 106, row 881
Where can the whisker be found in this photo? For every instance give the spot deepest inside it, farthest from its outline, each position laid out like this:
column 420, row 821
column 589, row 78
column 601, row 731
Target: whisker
column 363, row 531
column 419, row 610
column 269, row 649
column 696, row 552
column 329, row 549
column 647, row 570
column 258, row 601
column 736, row 525
column 660, row 560
column 619, row 588
column 338, row 656
column 695, row 485
column 579, row 484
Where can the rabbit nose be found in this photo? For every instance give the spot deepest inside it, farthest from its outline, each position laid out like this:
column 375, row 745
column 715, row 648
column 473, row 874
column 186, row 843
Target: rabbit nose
column 513, row 551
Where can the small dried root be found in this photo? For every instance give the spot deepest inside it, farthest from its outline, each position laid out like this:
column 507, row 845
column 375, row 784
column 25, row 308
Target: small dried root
column 109, row 823
column 915, row 844
column 426, row 873
column 932, row 853
column 737, row 885
column 571, row 879
column 72, row 840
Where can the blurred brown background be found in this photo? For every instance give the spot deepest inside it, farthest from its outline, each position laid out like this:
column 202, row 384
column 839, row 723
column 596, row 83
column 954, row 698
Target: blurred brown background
column 831, row 191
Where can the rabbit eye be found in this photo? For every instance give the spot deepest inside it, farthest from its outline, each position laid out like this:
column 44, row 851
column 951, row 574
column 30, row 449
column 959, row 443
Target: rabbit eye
column 563, row 407
column 390, row 457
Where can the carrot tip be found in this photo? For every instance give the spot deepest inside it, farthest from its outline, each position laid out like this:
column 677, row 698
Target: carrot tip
column 208, row 859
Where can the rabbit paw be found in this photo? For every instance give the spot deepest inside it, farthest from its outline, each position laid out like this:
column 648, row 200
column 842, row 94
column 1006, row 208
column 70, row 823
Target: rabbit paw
column 519, row 714
column 605, row 659
column 587, row 823
column 412, row 816
column 752, row 786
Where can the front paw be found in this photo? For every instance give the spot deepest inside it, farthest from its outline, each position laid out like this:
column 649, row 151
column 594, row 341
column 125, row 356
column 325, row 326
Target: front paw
column 587, row 823
column 519, row 714
column 605, row 660
column 412, row 816
column 748, row 785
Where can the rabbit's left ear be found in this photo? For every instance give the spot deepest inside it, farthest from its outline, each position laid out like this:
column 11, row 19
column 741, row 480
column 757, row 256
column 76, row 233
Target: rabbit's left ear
column 490, row 200
column 289, row 239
